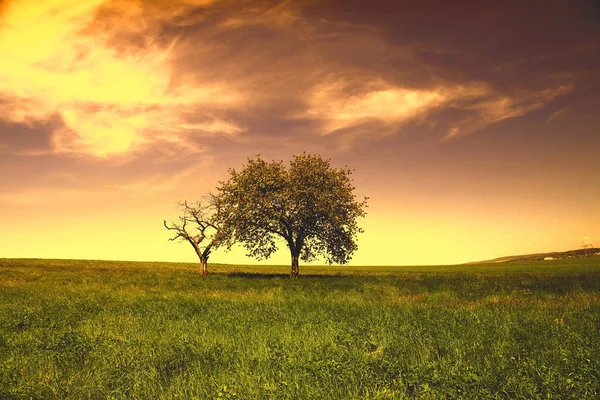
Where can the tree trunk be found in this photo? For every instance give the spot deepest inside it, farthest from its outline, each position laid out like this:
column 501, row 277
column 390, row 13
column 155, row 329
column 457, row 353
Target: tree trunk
column 295, row 267
column 203, row 261
column 203, row 266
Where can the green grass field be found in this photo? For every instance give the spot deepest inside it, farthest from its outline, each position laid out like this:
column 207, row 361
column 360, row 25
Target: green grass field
column 123, row 330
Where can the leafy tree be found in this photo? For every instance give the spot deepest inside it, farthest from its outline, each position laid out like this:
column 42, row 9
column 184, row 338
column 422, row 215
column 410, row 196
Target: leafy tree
column 207, row 235
column 310, row 205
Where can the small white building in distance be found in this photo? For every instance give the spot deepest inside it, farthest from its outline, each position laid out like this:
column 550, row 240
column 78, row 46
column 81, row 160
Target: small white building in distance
column 549, row 258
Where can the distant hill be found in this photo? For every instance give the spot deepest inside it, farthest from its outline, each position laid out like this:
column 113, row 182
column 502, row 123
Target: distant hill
column 540, row 256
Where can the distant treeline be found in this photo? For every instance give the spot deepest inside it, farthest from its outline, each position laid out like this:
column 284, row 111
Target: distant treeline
column 577, row 253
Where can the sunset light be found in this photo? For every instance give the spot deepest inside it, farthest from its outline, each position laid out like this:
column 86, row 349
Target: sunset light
column 473, row 128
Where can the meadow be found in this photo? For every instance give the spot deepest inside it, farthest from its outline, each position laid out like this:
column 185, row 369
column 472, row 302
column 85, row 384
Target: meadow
column 76, row 329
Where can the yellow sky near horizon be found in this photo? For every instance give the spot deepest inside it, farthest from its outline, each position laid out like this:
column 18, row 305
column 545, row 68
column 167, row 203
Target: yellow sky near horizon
column 474, row 135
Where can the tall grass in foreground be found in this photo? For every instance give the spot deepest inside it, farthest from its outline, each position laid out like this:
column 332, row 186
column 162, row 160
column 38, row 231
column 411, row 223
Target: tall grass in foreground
column 92, row 329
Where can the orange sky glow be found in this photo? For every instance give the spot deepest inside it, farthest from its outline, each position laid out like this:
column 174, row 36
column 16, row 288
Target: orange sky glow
column 473, row 128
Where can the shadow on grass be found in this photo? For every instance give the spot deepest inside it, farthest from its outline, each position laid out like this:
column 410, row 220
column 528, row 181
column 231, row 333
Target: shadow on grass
column 258, row 275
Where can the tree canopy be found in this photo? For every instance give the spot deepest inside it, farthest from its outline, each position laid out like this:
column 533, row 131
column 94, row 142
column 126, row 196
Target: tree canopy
column 310, row 205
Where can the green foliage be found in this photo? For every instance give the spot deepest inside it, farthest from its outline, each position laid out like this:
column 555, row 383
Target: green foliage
column 310, row 205
column 122, row 330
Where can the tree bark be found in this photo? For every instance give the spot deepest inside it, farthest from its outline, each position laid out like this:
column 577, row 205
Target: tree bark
column 295, row 267
column 203, row 261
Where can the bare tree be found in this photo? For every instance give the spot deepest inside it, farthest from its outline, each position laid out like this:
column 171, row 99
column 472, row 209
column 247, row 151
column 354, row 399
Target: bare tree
column 198, row 227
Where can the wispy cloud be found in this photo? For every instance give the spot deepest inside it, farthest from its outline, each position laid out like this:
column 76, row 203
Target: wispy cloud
column 64, row 189
column 111, row 99
column 489, row 107
column 279, row 15
column 346, row 104
column 560, row 114
column 127, row 75
column 589, row 239
column 384, row 107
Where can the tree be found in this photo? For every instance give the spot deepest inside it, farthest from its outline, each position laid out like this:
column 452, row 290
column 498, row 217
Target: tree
column 208, row 236
column 310, row 205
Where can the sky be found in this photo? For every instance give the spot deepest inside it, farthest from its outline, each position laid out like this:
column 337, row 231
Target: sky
column 473, row 127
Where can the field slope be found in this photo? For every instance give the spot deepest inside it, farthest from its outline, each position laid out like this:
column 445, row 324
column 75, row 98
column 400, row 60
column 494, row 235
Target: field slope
column 576, row 253
column 73, row 329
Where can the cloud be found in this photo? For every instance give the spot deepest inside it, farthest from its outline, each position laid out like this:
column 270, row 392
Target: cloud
column 345, row 104
column 132, row 187
column 560, row 114
column 589, row 238
column 126, row 76
column 280, row 15
column 488, row 107
column 112, row 95
column 383, row 107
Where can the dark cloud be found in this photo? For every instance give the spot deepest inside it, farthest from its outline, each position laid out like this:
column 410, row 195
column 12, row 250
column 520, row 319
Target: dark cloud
column 322, row 75
column 247, row 70
column 24, row 139
column 493, row 41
